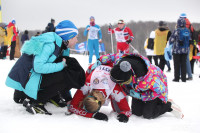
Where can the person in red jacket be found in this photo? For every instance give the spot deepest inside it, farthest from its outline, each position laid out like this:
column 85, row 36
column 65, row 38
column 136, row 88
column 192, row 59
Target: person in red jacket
column 123, row 35
column 11, row 28
column 98, row 89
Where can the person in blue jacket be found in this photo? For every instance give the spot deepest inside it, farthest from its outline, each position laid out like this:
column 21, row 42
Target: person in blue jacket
column 44, row 69
column 93, row 32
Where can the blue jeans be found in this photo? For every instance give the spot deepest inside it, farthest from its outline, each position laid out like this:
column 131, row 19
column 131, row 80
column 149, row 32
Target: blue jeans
column 188, row 66
column 93, row 45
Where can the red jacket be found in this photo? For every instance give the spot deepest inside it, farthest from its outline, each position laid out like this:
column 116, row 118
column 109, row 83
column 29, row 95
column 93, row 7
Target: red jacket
column 114, row 92
column 122, row 35
column 14, row 31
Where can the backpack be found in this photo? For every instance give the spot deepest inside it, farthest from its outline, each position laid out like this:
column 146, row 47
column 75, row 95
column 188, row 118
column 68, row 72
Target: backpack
column 184, row 37
column 150, row 43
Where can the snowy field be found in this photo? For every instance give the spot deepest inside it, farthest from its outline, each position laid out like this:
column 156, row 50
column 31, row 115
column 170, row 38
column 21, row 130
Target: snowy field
column 14, row 118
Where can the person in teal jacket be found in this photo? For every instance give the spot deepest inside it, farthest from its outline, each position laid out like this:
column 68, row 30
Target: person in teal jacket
column 44, row 69
column 93, row 32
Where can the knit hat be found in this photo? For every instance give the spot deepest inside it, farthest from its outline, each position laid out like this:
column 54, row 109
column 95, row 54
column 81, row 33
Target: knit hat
column 13, row 21
column 181, row 22
column 92, row 17
column 120, row 21
column 162, row 24
column 66, row 30
column 121, row 72
column 183, row 15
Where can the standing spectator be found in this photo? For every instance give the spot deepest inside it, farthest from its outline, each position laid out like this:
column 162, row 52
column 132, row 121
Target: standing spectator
column 50, row 27
column 24, row 37
column 124, row 36
column 12, row 34
column 93, row 32
column 44, row 69
column 3, row 42
column 191, row 28
column 180, row 49
column 149, row 46
column 37, row 34
column 160, row 41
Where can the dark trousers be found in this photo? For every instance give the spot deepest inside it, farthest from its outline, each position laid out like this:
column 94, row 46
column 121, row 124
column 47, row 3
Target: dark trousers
column 192, row 65
column 5, row 51
column 12, row 50
column 162, row 62
column 180, row 66
column 155, row 58
column 72, row 76
column 150, row 109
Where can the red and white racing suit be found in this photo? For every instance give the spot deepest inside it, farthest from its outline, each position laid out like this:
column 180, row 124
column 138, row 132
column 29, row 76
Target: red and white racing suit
column 99, row 79
column 122, row 35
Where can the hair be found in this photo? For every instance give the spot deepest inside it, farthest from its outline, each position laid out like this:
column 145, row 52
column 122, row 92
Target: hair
column 90, row 103
column 26, row 31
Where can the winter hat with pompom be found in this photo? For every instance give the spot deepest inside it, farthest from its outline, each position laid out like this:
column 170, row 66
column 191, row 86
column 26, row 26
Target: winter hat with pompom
column 121, row 72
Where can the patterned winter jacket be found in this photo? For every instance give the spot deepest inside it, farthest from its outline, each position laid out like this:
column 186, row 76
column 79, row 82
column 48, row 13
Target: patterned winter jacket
column 174, row 40
column 38, row 58
column 151, row 86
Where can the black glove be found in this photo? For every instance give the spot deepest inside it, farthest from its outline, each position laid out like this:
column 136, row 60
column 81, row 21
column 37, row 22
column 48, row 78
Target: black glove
column 19, row 96
column 128, row 41
column 101, row 116
column 122, row 118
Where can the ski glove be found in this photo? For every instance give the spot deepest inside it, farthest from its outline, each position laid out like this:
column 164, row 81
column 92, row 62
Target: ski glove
column 100, row 116
column 96, row 64
column 122, row 118
column 128, row 41
column 19, row 96
column 135, row 94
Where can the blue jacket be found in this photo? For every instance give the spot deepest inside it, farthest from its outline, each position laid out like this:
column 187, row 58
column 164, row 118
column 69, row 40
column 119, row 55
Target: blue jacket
column 38, row 56
column 174, row 40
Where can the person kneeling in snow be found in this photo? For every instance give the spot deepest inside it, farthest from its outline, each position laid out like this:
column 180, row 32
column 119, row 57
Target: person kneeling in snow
column 144, row 82
column 44, row 70
column 98, row 89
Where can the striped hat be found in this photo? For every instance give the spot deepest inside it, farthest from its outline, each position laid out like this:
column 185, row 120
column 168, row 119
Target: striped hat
column 66, row 30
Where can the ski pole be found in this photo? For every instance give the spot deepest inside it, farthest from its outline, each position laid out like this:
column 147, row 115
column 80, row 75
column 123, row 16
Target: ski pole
column 111, row 39
column 134, row 50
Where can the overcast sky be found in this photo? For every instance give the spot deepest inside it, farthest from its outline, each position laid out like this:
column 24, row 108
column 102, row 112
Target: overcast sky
column 35, row 14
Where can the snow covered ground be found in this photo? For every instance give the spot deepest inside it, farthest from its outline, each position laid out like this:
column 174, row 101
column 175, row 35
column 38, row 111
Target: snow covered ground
column 14, row 118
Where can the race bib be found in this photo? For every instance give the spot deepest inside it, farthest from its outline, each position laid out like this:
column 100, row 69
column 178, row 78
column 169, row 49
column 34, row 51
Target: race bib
column 120, row 36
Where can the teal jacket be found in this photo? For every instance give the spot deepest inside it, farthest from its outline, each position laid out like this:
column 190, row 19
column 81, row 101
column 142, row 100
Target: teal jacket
column 38, row 56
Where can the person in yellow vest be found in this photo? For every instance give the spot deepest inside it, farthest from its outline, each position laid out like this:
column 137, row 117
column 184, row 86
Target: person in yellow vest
column 193, row 52
column 11, row 38
column 162, row 35
column 3, row 42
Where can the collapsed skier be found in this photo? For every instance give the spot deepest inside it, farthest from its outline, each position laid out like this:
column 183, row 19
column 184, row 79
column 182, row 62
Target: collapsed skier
column 98, row 89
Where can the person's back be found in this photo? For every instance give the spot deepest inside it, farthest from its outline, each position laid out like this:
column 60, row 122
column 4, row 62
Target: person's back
column 24, row 37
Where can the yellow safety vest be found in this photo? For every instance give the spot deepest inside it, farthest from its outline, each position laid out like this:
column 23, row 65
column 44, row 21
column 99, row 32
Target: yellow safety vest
column 160, row 41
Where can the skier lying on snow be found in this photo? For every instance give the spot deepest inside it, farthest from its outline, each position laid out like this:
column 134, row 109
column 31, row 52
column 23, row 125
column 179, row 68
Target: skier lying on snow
column 144, row 82
column 98, row 89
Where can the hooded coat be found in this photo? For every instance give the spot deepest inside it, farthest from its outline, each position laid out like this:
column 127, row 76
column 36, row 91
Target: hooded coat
column 38, row 56
column 150, row 86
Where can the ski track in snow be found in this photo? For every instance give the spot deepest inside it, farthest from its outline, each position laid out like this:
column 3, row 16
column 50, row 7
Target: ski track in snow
column 14, row 118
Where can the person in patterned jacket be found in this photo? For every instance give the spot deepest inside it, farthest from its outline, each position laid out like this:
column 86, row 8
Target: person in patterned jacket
column 144, row 82
column 98, row 90
column 122, row 33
